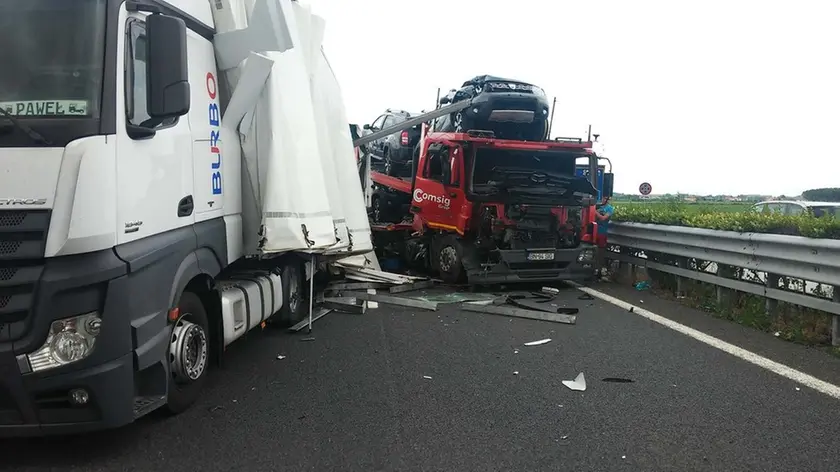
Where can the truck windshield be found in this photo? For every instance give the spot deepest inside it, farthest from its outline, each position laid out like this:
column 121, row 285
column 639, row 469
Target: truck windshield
column 51, row 59
column 489, row 161
column 518, row 172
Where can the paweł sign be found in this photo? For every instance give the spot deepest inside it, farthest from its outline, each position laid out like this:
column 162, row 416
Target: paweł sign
column 46, row 108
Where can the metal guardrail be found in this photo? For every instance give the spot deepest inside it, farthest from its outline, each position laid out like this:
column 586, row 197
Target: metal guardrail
column 794, row 257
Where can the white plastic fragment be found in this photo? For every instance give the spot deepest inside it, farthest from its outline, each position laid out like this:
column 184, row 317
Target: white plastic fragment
column 371, row 304
column 537, row 343
column 427, row 377
column 515, row 372
column 578, row 384
column 280, row 358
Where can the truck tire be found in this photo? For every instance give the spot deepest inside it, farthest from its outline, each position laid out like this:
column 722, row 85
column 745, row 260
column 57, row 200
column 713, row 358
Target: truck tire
column 389, row 165
column 450, row 260
column 294, row 298
column 189, row 354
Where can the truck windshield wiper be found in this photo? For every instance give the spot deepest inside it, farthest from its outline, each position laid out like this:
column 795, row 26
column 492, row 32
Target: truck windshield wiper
column 36, row 136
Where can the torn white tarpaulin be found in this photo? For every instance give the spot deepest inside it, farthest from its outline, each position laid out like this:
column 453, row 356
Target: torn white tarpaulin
column 311, row 30
column 578, row 384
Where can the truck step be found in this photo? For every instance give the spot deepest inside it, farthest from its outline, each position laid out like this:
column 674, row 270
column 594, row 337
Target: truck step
column 144, row 405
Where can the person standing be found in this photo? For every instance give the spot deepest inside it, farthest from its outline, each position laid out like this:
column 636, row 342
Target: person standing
column 603, row 217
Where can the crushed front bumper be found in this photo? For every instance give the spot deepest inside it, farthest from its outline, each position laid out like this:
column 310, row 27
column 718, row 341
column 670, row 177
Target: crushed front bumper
column 535, row 265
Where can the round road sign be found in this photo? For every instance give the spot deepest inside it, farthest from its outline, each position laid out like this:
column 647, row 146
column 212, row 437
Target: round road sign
column 645, row 188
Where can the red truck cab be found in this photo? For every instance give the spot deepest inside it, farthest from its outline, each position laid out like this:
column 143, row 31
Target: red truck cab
column 488, row 210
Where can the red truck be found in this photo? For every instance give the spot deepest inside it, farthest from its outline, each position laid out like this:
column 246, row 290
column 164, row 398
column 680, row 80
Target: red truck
column 483, row 210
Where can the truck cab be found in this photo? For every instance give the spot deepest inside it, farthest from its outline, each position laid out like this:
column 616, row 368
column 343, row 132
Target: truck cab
column 121, row 226
column 503, row 210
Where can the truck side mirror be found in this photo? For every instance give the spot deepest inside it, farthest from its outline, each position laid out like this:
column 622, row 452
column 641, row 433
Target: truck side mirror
column 367, row 127
column 607, row 191
column 168, row 77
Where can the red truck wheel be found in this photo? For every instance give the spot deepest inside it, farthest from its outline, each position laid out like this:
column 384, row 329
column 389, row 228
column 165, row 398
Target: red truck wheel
column 449, row 260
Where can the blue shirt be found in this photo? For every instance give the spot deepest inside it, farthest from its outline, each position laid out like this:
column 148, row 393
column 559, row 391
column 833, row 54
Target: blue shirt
column 604, row 225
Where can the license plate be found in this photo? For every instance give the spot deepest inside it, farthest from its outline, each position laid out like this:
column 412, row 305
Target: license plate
column 541, row 256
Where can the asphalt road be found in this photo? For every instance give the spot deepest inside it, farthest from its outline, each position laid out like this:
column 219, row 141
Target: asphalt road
column 355, row 399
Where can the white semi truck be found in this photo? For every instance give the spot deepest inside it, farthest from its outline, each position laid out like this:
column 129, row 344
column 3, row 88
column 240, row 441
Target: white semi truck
column 168, row 170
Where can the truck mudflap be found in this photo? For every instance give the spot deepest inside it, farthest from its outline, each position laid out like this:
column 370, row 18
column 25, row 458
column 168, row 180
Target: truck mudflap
column 533, row 265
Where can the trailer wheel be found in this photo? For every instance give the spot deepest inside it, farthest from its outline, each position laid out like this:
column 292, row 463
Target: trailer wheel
column 450, row 260
column 377, row 209
column 389, row 165
column 294, row 298
column 189, row 354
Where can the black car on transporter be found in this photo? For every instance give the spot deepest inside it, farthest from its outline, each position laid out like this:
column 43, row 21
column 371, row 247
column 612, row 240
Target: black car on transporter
column 396, row 150
column 512, row 109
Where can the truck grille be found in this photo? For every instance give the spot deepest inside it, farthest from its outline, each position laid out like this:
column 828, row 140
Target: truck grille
column 23, row 237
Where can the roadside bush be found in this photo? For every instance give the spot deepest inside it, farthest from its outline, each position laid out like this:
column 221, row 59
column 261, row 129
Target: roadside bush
column 741, row 221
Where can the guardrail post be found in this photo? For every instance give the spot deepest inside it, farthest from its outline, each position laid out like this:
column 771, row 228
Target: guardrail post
column 724, row 295
column 771, row 281
column 835, row 320
column 626, row 269
column 682, row 263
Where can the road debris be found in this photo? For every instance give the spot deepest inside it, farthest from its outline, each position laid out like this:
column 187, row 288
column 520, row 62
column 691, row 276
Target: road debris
column 305, row 322
column 539, row 343
column 515, row 372
column 280, row 358
column 427, row 377
column 578, row 384
column 520, row 313
column 617, row 380
column 307, row 339
column 393, row 300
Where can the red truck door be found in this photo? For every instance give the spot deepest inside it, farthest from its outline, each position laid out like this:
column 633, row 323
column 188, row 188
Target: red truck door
column 438, row 200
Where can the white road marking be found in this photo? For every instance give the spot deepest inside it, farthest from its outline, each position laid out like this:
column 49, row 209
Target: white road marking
column 763, row 362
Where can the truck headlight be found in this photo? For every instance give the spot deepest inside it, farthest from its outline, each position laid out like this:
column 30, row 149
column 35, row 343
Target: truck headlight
column 69, row 340
column 586, row 255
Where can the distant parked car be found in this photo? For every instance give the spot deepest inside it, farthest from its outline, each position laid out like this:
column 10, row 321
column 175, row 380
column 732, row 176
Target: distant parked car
column 510, row 108
column 396, row 150
column 797, row 207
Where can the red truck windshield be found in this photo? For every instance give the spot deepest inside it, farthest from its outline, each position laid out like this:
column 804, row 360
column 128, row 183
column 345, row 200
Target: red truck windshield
column 488, row 162
column 512, row 174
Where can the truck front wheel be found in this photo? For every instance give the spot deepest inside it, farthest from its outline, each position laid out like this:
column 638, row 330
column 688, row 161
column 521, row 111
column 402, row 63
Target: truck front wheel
column 189, row 354
column 449, row 260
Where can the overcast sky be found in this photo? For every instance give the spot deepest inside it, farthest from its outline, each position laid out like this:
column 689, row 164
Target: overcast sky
column 737, row 96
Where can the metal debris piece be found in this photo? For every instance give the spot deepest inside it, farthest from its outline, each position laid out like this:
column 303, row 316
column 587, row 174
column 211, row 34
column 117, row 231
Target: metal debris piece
column 578, row 384
column 538, row 343
column 617, row 380
column 356, row 285
column 399, row 301
column 307, row 339
column 305, row 322
column 345, row 304
column 551, row 290
column 515, row 301
column 412, row 286
column 520, row 313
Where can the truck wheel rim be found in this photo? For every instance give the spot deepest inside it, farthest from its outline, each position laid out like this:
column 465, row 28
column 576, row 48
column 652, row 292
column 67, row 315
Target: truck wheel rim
column 448, row 256
column 187, row 351
column 377, row 210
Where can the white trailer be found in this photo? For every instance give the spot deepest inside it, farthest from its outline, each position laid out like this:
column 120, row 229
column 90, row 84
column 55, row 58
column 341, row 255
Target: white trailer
column 169, row 169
